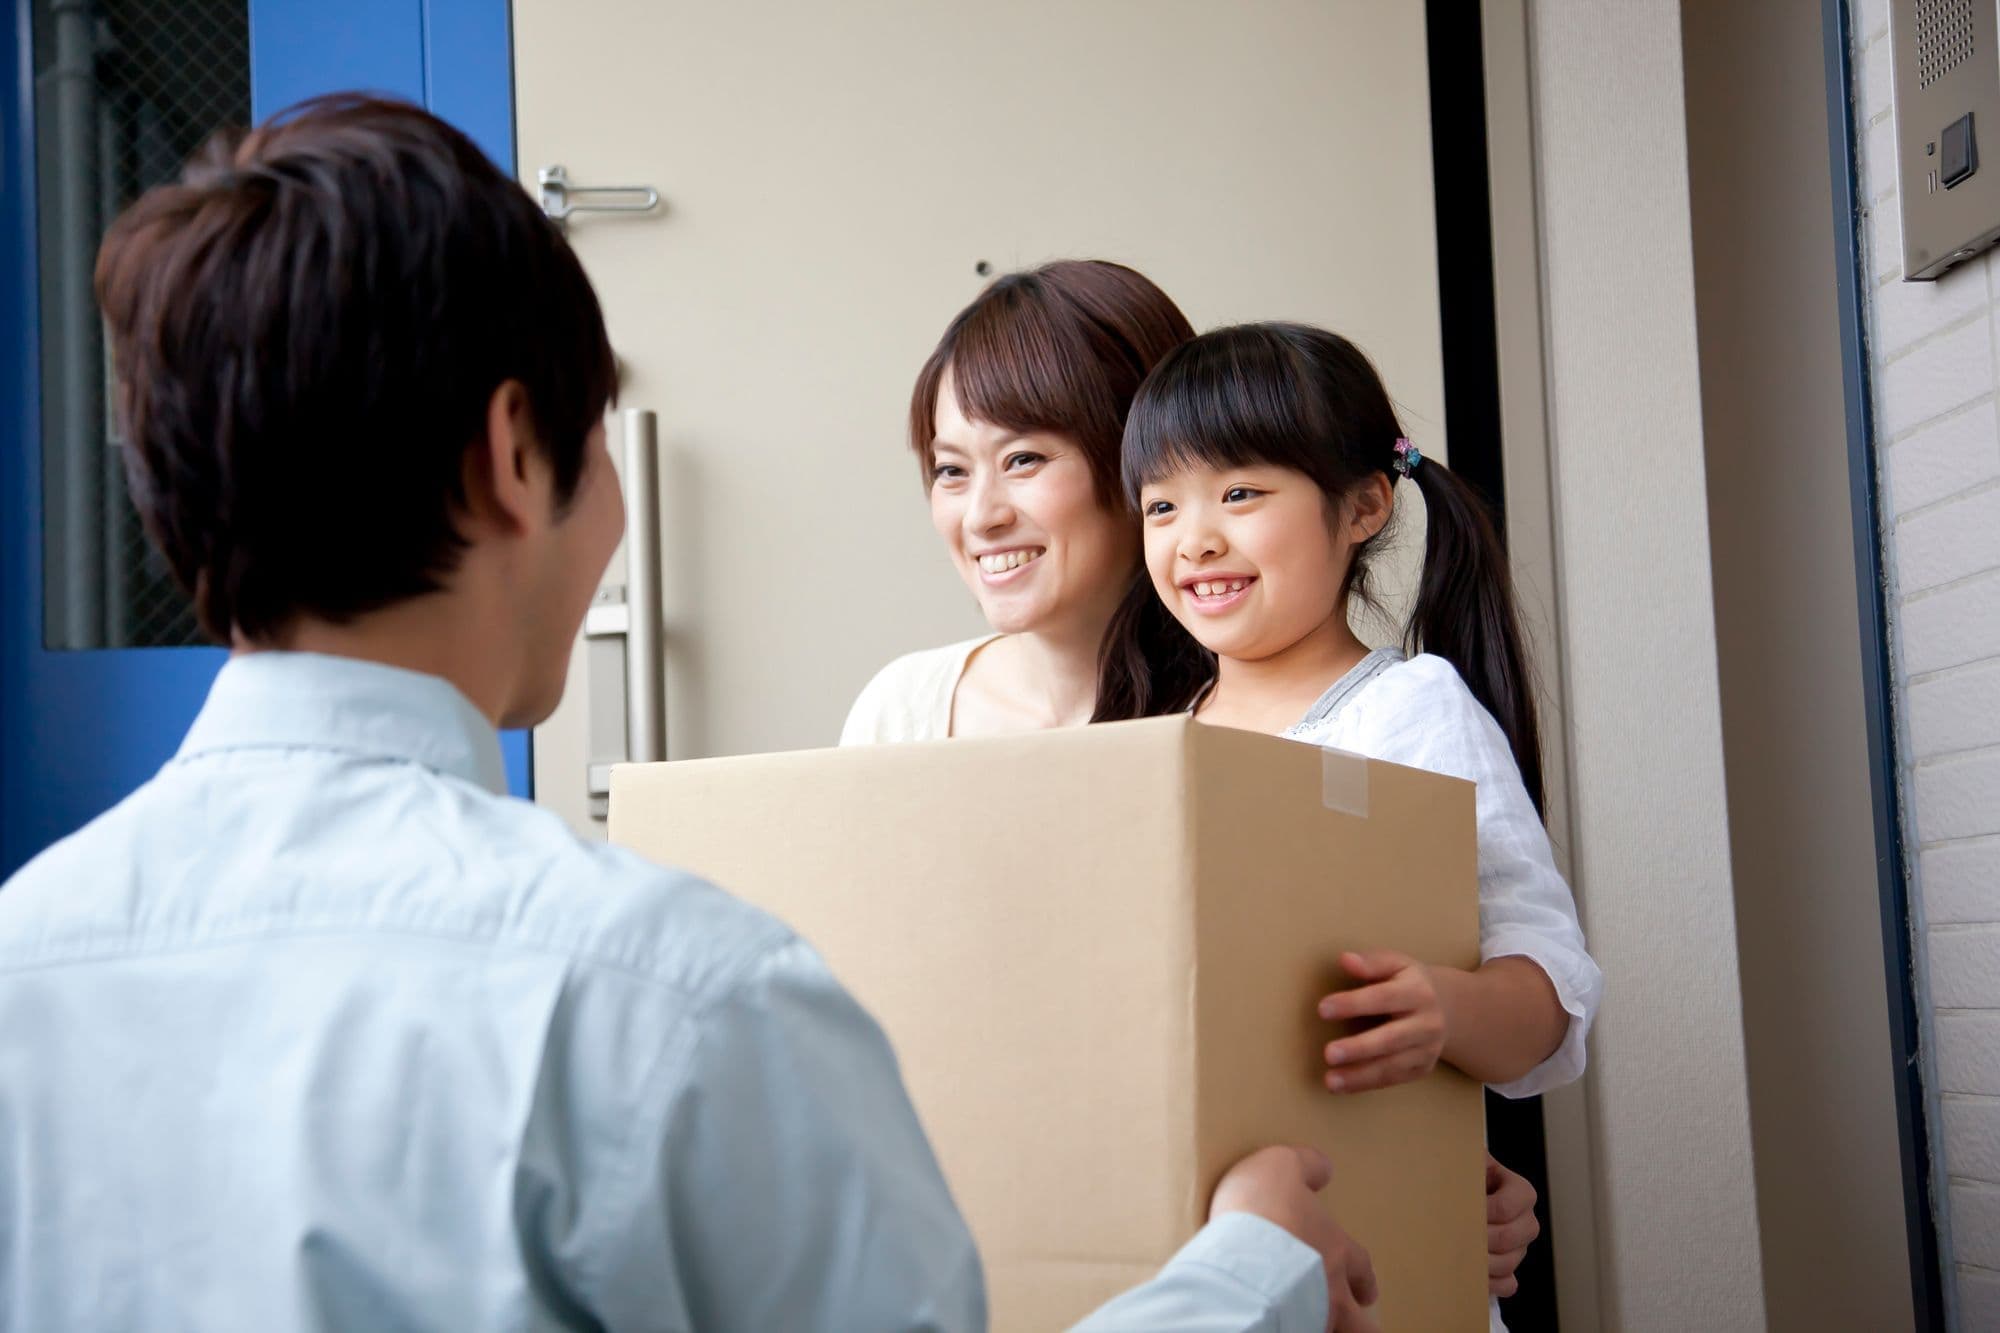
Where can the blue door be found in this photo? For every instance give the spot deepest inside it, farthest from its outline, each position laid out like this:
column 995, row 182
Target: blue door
column 100, row 668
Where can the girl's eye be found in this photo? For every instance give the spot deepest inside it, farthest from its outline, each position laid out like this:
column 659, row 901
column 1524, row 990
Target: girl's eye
column 1238, row 494
column 1157, row 508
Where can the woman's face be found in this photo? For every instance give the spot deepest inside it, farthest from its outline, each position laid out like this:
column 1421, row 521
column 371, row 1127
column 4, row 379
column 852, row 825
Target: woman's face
column 1024, row 525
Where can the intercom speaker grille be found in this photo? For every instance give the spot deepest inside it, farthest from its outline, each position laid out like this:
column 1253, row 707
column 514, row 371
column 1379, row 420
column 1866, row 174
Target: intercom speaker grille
column 1946, row 80
column 1944, row 37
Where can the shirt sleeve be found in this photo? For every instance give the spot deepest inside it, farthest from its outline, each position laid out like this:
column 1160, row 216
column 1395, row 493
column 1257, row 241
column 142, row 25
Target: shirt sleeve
column 788, row 1183
column 1428, row 719
column 782, row 1181
column 866, row 720
column 1240, row 1274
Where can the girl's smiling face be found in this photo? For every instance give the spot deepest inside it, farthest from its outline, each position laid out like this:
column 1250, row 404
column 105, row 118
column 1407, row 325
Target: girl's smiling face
column 1252, row 560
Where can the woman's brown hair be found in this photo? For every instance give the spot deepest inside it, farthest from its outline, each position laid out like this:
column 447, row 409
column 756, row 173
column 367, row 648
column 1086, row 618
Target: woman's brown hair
column 1064, row 348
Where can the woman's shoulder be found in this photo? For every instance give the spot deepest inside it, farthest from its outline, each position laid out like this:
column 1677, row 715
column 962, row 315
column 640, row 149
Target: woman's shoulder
column 910, row 698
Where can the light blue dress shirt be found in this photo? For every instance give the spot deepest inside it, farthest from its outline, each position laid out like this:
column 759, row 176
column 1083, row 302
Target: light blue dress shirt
column 318, row 1030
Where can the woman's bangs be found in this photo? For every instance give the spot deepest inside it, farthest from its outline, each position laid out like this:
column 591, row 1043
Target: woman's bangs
column 1011, row 367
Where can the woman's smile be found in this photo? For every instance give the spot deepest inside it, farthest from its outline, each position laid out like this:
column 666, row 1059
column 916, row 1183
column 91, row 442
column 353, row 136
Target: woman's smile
column 997, row 568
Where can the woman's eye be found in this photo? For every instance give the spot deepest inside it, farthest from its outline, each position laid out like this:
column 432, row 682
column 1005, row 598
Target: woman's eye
column 946, row 472
column 1018, row 461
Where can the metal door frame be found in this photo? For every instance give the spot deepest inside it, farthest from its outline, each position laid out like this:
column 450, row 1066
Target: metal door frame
column 79, row 730
column 1920, row 1202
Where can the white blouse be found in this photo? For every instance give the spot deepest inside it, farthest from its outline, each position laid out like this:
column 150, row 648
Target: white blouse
column 1418, row 713
column 910, row 699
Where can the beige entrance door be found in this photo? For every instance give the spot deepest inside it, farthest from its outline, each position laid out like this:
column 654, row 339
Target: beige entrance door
column 837, row 179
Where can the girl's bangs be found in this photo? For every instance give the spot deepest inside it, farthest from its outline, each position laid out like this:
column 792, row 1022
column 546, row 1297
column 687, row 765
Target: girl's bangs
column 1231, row 398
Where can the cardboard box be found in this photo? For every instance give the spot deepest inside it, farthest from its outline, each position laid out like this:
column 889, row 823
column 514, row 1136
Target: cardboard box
column 1098, row 953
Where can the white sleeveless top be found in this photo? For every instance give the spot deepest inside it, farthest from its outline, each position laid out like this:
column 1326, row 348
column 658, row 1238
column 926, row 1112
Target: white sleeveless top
column 910, row 699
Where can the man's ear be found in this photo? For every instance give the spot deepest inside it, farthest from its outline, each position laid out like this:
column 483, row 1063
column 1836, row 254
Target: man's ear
column 506, row 476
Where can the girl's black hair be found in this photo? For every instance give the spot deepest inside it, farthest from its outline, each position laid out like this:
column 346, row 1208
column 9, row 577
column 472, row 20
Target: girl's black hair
column 1297, row 397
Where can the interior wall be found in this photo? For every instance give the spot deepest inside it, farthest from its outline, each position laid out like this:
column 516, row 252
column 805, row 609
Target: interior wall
column 1674, row 1192
column 1822, row 1101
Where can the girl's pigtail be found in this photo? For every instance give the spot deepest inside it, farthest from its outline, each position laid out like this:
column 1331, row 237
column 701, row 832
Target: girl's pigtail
column 1465, row 609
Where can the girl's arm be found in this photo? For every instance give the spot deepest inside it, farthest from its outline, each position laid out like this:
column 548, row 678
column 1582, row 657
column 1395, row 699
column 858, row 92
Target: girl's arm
column 1422, row 715
column 1501, row 1021
column 1496, row 1024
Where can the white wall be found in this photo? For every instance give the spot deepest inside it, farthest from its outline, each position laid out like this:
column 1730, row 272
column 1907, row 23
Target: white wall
column 1938, row 434
column 1675, row 1197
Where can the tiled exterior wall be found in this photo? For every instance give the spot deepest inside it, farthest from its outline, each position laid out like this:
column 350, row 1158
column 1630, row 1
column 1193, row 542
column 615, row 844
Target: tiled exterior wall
column 1936, row 353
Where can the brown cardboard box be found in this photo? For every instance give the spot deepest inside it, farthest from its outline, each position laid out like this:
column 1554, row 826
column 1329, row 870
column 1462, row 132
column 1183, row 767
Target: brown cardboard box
column 1097, row 952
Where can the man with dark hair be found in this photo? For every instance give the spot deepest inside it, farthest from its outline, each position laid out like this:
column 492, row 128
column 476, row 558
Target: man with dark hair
column 318, row 1029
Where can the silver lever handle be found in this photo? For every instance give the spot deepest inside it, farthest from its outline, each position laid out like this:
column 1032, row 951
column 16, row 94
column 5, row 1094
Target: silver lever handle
column 645, row 634
column 625, row 634
column 560, row 198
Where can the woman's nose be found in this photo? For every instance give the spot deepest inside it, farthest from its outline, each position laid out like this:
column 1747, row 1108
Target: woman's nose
column 989, row 510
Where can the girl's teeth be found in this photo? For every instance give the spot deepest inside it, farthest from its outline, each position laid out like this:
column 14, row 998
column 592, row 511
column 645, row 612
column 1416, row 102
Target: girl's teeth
column 1216, row 588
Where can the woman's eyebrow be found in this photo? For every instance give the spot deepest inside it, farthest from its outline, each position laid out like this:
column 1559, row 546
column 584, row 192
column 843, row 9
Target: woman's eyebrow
column 1007, row 442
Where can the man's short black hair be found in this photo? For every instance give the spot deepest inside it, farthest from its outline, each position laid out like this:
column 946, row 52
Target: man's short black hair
column 307, row 331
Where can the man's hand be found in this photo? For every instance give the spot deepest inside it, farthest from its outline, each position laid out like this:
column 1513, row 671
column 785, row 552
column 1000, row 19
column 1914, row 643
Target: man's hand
column 1510, row 1226
column 1279, row 1185
column 1406, row 1044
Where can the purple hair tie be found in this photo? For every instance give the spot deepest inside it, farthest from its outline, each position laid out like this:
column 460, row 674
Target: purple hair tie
column 1407, row 458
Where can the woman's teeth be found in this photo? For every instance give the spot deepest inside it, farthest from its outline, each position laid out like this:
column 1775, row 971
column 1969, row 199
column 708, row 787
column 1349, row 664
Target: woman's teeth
column 1006, row 560
column 1219, row 588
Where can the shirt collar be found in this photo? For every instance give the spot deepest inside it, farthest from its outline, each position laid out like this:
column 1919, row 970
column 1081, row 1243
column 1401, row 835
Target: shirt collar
column 269, row 700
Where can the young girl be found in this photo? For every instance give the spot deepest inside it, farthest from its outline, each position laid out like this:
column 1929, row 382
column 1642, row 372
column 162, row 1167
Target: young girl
column 1264, row 461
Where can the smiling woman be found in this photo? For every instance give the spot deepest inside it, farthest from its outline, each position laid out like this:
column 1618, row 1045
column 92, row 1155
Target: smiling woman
column 1016, row 421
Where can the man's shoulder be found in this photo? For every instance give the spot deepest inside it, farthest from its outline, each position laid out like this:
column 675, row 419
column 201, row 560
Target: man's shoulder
column 607, row 906
column 431, row 857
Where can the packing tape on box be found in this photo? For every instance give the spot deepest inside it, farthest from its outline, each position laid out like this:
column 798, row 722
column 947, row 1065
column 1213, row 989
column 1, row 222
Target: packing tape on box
column 1343, row 782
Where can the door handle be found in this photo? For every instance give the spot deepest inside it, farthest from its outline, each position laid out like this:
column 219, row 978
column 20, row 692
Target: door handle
column 625, row 630
column 645, row 636
column 560, row 198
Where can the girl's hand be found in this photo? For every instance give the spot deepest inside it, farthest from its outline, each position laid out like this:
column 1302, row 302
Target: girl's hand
column 1409, row 1040
column 1510, row 1226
